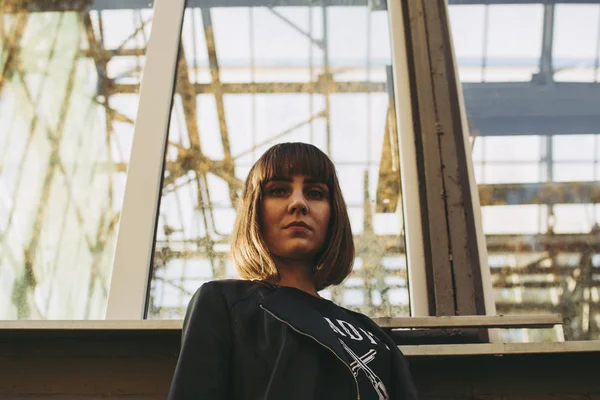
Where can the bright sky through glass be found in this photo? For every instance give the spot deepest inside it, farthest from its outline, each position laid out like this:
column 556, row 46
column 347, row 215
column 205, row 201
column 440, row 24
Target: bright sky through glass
column 505, row 49
column 497, row 43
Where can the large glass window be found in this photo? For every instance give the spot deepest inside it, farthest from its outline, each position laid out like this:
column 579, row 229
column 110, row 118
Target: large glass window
column 249, row 78
column 69, row 78
column 532, row 92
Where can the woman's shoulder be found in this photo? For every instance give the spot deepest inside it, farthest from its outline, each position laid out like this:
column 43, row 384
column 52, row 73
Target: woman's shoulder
column 231, row 290
column 358, row 315
column 232, row 284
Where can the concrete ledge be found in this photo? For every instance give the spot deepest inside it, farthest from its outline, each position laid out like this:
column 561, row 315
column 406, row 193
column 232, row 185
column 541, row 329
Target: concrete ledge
column 91, row 325
column 499, row 349
column 172, row 330
column 136, row 361
column 465, row 321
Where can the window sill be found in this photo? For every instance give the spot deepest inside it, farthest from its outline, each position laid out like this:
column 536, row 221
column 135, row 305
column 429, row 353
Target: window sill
column 142, row 327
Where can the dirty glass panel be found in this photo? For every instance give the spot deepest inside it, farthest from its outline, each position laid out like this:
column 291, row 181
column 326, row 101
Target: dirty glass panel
column 531, row 85
column 69, row 78
column 249, row 78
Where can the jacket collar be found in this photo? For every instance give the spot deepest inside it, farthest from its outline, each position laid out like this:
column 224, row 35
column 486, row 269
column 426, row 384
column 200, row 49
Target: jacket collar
column 287, row 305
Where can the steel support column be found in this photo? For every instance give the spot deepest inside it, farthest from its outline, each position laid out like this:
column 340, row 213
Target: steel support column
column 219, row 99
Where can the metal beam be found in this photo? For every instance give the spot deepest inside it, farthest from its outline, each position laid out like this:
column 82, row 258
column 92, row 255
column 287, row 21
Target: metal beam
column 317, row 42
column 519, row 243
column 190, row 158
column 546, row 68
column 326, row 79
column 524, row 272
column 219, row 101
column 11, row 50
column 531, row 307
column 450, row 237
column 503, row 244
column 540, row 193
column 543, row 285
column 102, row 53
column 277, row 87
column 86, row 5
column 494, row 109
column 55, row 138
column 389, row 180
column 185, row 89
column 527, row 108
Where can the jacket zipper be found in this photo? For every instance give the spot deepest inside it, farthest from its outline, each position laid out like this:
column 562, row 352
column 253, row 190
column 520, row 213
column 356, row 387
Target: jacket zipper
column 322, row 344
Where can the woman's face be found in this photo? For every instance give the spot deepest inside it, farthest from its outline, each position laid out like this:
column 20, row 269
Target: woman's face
column 295, row 214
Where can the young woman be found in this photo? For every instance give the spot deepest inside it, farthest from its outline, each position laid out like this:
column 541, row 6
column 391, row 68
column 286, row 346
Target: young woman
column 271, row 336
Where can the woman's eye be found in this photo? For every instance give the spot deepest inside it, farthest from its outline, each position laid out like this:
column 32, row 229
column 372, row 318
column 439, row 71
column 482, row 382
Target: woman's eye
column 276, row 192
column 316, row 194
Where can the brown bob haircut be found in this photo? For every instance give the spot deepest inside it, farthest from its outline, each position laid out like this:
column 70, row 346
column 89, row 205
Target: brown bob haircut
column 249, row 252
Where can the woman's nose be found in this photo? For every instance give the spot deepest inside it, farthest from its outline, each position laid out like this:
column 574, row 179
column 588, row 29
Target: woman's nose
column 298, row 203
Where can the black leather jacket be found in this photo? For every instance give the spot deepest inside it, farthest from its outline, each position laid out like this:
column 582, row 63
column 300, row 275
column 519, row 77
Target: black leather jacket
column 253, row 340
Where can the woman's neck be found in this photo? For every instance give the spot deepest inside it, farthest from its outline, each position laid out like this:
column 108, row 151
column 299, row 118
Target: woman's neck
column 296, row 274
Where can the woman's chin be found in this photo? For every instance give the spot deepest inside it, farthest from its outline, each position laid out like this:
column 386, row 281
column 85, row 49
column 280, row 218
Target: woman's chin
column 298, row 252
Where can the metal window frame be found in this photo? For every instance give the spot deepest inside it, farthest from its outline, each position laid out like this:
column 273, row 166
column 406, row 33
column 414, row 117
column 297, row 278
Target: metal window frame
column 486, row 274
column 493, row 334
column 456, row 270
column 130, row 277
column 415, row 251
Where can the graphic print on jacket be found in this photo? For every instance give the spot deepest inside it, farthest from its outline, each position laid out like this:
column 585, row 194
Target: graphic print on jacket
column 368, row 357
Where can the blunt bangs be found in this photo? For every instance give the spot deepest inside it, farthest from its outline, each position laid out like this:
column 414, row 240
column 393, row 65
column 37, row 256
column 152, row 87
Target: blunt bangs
column 288, row 159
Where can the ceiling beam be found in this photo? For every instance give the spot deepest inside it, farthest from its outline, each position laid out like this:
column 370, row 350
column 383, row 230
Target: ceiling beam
column 526, row 108
column 539, row 193
column 494, row 109
column 276, row 87
column 86, row 5
column 519, row 243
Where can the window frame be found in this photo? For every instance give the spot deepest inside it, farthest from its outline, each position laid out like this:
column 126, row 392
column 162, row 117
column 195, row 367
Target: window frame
column 129, row 289
column 131, row 271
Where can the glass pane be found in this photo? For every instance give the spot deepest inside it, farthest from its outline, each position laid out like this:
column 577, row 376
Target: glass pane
column 534, row 151
column 486, row 51
column 68, row 99
column 512, row 55
column 576, row 48
column 279, row 79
